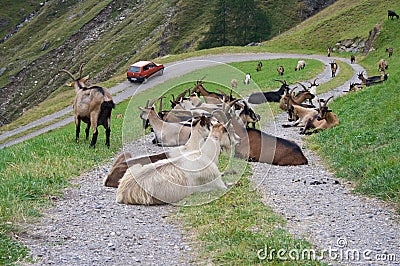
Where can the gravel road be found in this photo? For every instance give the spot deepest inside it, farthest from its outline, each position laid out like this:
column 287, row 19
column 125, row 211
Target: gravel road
column 87, row 227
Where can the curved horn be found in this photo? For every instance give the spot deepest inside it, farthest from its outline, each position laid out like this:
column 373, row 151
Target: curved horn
column 304, row 87
column 315, row 80
column 281, row 81
column 222, row 92
column 154, row 100
column 327, row 100
column 81, row 70
column 69, row 73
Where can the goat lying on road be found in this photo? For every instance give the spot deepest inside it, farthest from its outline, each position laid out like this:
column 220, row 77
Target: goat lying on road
column 325, row 119
column 200, row 129
column 171, row 180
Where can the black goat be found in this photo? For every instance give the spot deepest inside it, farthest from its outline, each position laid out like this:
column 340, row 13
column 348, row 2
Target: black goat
column 269, row 96
column 392, row 14
column 389, row 51
column 352, row 59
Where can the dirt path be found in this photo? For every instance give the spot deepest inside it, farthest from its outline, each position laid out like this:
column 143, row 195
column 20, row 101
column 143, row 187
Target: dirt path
column 87, row 227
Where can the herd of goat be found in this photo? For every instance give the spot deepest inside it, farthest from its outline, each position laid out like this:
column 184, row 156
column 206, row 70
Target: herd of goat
column 198, row 126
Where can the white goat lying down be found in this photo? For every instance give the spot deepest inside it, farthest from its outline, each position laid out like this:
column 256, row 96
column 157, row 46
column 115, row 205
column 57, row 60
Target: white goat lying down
column 170, row 180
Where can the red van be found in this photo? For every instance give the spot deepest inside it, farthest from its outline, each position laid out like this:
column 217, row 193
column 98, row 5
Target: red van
column 142, row 70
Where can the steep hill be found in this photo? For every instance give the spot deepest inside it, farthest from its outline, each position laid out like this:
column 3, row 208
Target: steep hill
column 107, row 36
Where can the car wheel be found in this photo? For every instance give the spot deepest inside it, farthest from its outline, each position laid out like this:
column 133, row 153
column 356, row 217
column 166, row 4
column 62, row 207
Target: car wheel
column 145, row 80
column 161, row 72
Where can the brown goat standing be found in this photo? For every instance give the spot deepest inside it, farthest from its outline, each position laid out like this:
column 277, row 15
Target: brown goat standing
column 92, row 105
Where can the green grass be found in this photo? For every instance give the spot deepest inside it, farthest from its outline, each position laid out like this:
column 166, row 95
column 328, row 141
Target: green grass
column 364, row 147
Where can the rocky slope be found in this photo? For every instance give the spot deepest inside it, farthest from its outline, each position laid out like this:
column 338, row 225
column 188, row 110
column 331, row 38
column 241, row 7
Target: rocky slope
column 106, row 36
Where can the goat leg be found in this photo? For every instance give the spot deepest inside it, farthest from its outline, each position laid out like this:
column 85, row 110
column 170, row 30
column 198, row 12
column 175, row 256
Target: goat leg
column 77, row 129
column 108, row 133
column 94, row 138
column 87, row 131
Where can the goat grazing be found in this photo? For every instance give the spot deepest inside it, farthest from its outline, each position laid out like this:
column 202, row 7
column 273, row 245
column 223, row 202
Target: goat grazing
column 92, row 105
column 171, row 180
column 234, row 83
column 392, row 14
column 259, row 66
column 280, row 70
column 334, row 68
column 269, row 96
column 247, row 79
column 382, row 65
column 389, row 51
column 301, row 64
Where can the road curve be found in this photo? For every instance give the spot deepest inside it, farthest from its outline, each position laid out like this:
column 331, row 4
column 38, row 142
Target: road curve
column 127, row 89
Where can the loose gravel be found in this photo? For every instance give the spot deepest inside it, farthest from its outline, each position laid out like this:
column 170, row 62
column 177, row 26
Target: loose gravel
column 87, row 227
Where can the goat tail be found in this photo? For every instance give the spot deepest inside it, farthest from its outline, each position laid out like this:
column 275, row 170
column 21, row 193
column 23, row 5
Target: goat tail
column 108, row 105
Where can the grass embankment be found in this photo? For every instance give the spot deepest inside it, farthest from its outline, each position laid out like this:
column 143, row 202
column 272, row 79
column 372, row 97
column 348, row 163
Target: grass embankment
column 365, row 147
column 32, row 173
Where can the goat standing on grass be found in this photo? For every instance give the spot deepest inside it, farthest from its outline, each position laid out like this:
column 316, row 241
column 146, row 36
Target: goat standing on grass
column 389, row 51
column 280, row 70
column 382, row 65
column 247, row 79
column 259, row 66
column 392, row 14
column 92, row 105
column 301, row 64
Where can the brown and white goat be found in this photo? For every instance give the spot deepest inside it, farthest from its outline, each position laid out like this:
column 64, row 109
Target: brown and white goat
column 92, row 105
column 303, row 95
column 334, row 67
column 171, row 180
column 209, row 97
column 280, row 70
column 389, row 51
column 382, row 65
column 258, row 146
column 325, row 119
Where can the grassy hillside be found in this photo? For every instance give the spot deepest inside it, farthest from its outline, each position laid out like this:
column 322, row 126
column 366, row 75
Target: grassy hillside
column 106, row 35
column 364, row 148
